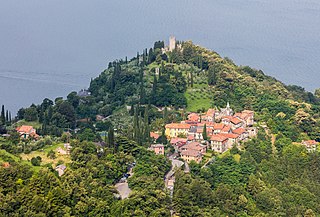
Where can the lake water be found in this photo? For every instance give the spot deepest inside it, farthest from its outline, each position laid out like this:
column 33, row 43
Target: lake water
column 50, row 48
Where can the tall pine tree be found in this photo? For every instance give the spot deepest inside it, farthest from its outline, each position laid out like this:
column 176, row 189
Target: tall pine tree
column 204, row 133
column 111, row 137
column 3, row 117
column 146, row 136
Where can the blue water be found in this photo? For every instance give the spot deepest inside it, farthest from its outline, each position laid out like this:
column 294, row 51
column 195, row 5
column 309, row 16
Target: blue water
column 51, row 47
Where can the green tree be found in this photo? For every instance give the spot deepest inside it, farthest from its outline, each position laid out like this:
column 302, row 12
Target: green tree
column 204, row 132
column 36, row 161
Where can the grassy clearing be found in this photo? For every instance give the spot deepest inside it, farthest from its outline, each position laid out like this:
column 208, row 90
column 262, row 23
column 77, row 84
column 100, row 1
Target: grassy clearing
column 43, row 154
column 224, row 154
column 4, row 154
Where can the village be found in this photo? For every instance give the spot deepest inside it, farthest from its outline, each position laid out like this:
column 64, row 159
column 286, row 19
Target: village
column 216, row 130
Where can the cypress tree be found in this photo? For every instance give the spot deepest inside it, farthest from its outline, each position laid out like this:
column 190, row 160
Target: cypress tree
column 191, row 78
column 165, row 115
column 204, row 133
column 10, row 119
column 7, row 116
column 138, row 58
column 3, row 118
column 111, row 137
column 154, row 89
column 142, row 90
column 136, row 125
column 146, row 136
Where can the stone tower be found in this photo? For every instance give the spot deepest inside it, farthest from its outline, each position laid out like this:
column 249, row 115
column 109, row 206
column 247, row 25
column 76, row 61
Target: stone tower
column 172, row 43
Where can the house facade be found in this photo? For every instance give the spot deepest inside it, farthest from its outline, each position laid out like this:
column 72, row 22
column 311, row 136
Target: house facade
column 175, row 129
column 26, row 132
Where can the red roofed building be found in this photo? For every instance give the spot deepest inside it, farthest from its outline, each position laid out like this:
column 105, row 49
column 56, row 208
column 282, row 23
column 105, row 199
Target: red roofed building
column 232, row 139
column 175, row 129
column 158, row 149
column 311, row 145
column 226, row 129
column 194, row 146
column 219, row 143
column 194, row 117
column 247, row 116
column 191, row 155
column 242, row 133
column 27, row 131
column 154, row 135
column 217, row 128
column 236, row 122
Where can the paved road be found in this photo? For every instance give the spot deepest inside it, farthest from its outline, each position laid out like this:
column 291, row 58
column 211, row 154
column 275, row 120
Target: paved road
column 123, row 189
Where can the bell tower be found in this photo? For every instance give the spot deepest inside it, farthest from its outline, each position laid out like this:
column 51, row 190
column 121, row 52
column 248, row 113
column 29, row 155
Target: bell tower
column 172, row 43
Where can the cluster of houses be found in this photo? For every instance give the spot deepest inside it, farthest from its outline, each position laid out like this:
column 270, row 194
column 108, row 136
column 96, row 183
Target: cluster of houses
column 223, row 127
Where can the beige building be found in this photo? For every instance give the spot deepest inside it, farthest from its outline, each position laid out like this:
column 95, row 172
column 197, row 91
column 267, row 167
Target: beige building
column 175, row 129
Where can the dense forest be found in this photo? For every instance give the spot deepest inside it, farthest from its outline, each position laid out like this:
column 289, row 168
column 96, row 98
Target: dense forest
column 109, row 129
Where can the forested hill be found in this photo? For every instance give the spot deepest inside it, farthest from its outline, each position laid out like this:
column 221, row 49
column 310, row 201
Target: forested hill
column 175, row 79
column 194, row 78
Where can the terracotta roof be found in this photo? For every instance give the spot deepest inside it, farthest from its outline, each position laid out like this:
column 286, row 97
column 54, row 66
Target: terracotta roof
column 191, row 153
column 208, row 124
column 218, row 137
column 178, row 126
column 176, row 140
column 226, row 128
column 239, row 131
column 211, row 112
column 193, row 117
column 194, row 146
column 154, row 135
column 227, row 117
column 235, row 120
column 231, row 135
column 218, row 126
column 24, row 129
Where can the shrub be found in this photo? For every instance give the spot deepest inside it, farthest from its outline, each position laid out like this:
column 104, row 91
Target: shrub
column 36, row 161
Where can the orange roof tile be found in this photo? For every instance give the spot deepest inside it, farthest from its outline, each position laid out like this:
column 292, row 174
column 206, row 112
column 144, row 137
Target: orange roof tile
column 154, row 135
column 176, row 140
column 218, row 137
column 24, row 129
column 191, row 153
column 235, row 120
column 226, row 128
column 231, row 135
column 178, row 126
column 211, row 112
column 218, row 126
column 239, row 131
